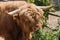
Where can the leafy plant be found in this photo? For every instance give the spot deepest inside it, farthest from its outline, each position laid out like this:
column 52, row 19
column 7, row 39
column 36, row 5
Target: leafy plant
column 42, row 35
column 40, row 2
column 30, row 1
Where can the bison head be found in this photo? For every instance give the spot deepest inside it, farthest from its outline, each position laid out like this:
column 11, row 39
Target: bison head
column 28, row 17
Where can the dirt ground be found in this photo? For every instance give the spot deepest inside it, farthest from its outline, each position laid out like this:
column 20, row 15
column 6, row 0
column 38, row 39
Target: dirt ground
column 53, row 20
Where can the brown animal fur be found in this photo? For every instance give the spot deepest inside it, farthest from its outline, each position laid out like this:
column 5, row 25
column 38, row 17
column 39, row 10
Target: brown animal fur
column 19, row 26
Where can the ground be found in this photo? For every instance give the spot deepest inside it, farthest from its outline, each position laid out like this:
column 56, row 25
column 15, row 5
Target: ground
column 53, row 20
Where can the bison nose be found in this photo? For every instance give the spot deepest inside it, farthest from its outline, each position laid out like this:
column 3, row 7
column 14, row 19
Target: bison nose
column 37, row 27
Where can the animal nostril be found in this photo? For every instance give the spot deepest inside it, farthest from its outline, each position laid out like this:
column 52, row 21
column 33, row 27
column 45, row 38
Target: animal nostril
column 36, row 25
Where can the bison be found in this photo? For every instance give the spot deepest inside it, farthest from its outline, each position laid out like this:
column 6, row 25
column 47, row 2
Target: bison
column 19, row 19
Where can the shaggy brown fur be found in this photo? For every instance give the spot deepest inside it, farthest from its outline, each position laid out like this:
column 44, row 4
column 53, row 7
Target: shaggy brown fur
column 19, row 26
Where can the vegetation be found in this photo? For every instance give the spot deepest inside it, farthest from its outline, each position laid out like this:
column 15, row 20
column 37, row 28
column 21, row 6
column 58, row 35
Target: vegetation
column 47, row 35
column 40, row 2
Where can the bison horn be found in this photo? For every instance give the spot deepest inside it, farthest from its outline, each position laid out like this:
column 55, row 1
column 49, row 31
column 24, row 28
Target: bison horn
column 13, row 12
column 17, row 10
column 45, row 7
